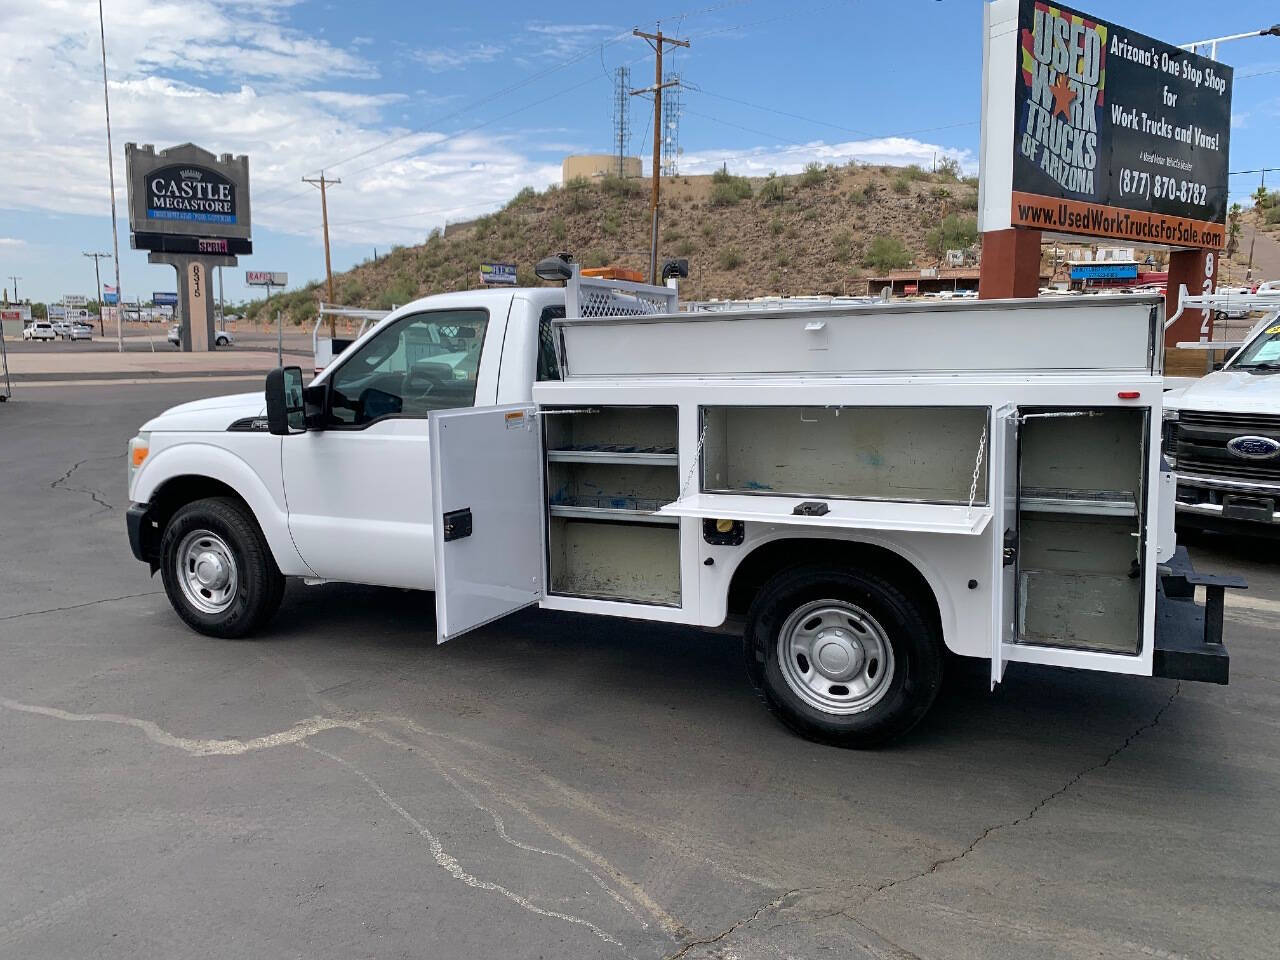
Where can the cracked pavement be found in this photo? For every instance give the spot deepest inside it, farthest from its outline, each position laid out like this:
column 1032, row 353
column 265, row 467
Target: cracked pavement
column 558, row 786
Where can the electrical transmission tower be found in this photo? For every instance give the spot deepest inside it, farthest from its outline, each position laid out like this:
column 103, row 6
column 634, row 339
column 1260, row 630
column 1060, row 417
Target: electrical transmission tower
column 622, row 115
column 671, row 109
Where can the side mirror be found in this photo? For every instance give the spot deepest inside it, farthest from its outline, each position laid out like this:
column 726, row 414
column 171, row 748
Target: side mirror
column 285, row 413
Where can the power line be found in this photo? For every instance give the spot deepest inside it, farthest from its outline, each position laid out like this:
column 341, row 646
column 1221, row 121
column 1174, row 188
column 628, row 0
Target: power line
column 488, row 98
column 480, row 126
column 782, row 113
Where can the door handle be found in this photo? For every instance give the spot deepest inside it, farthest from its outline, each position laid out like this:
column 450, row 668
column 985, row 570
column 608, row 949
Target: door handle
column 1010, row 547
column 457, row 524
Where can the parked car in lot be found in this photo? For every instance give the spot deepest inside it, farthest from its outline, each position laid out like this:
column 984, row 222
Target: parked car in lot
column 40, row 330
column 80, row 331
column 222, row 338
column 62, row 328
column 1222, row 433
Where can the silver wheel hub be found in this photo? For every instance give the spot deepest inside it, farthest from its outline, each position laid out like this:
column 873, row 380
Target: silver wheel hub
column 835, row 657
column 207, row 572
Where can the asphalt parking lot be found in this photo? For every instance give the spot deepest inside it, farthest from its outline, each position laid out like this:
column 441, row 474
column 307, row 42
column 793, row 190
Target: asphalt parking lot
column 563, row 786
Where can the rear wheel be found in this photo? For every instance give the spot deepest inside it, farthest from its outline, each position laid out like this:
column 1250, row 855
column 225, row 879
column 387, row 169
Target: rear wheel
column 218, row 571
column 842, row 656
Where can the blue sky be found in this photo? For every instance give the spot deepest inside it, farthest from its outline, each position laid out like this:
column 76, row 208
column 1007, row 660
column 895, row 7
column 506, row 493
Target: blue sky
column 431, row 112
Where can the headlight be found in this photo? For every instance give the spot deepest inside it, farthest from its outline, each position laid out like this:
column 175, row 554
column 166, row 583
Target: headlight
column 139, row 448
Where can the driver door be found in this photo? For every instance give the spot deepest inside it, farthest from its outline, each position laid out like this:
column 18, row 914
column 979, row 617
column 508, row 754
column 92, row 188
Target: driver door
column 359, row 503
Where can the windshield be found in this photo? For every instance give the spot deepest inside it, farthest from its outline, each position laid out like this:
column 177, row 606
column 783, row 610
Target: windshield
column 1263, row 352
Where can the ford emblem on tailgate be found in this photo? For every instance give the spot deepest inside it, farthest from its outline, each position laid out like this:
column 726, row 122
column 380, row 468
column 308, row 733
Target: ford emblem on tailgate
column 1254, row 448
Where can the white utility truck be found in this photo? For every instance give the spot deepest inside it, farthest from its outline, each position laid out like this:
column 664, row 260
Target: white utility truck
column 858, row 488
column 1222, row 432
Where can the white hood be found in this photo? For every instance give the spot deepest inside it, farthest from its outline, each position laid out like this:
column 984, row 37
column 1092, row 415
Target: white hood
column 212, row 413
column 1229, row 391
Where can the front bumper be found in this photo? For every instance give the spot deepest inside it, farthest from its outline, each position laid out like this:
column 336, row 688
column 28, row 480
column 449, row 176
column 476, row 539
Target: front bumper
column 1188, row 643
column 144, row 534
column 1213, row 501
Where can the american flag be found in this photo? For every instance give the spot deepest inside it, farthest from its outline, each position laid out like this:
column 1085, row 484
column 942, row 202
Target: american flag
column 108, row 288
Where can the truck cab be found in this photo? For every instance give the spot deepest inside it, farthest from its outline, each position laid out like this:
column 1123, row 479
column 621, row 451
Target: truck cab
column 342, row 502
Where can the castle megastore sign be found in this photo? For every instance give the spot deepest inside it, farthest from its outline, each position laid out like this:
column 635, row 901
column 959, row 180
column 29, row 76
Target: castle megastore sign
column 186, row 192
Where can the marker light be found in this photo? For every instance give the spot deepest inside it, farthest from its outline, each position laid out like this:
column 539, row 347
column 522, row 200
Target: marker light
column 139, row 448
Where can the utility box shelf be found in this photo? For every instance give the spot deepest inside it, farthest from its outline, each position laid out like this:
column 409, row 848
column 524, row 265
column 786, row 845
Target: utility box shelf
column 608, row 471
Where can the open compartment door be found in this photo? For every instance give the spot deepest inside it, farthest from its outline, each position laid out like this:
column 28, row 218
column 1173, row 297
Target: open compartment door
column 1004, row 535
column 487, row 502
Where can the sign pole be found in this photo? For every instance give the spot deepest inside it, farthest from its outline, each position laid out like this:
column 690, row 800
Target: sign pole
column 279, row 336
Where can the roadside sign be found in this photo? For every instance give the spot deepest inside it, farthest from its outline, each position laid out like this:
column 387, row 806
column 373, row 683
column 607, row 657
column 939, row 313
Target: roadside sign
column 56, row 311
column 500, row 273
column 75, row 299
column 1091, row 128
column 163, row 299
column 266, row 278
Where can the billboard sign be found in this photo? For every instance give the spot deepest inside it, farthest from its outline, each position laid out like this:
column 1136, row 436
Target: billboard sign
column 75, row 300
column 163, row 299
column 266, row 278
column 1091, row 128
column 1104, row 271
column 499, row 273
column 188, row 200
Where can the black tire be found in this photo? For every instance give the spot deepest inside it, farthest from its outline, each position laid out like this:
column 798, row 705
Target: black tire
column 259, row 585
column 917, row 654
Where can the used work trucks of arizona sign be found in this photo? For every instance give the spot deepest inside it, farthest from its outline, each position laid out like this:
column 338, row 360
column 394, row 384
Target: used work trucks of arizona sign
column 858, row 488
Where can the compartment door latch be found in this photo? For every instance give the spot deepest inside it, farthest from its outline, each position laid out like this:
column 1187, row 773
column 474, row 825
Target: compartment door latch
column 457, row 524
column 1010, row 547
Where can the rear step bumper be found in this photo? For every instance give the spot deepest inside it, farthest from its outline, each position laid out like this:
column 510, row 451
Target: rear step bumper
column 1188, row 636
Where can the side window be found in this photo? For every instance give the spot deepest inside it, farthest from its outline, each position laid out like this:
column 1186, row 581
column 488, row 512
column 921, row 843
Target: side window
column 548, row 365
column 420, row 363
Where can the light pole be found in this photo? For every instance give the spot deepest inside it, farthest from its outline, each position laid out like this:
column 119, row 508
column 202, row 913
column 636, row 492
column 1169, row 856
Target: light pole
column 111, row 173
column 1212, row 43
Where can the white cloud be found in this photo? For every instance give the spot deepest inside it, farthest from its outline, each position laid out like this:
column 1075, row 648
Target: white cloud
column 440, row 59
column 758, row 161
column 557, row 41
column 12, row 242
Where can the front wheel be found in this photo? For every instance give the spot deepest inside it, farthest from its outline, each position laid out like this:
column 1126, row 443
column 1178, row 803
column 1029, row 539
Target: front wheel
column 218, row 571
column 843, row 657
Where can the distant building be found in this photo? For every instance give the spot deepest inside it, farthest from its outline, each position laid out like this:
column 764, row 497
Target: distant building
column 599, row 165
column 1110, row 267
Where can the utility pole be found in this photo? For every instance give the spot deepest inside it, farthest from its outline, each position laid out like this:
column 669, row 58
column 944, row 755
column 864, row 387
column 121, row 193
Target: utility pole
column 656, row 40
column 97, row 279
column 16, row 298
column 321, row 182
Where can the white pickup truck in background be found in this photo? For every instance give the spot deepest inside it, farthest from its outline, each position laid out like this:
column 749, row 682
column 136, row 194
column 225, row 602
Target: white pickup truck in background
column 1222, row 432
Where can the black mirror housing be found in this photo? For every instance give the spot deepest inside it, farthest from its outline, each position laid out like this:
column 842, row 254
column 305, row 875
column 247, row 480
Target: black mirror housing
column 316, row 405
column 285, row 408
